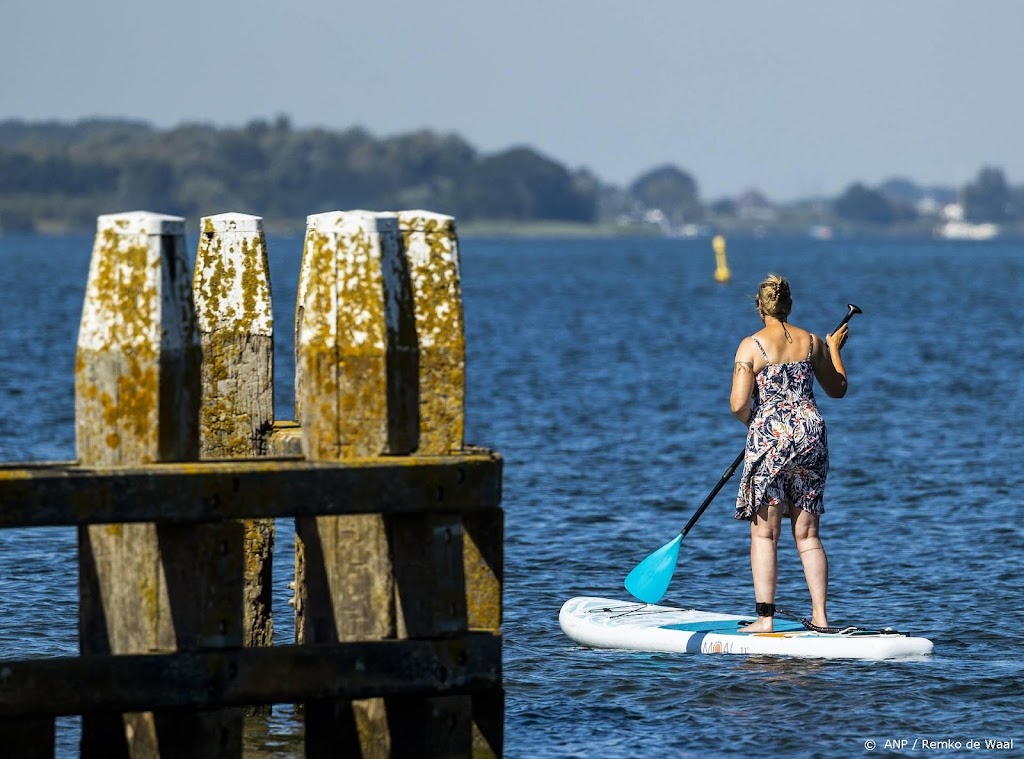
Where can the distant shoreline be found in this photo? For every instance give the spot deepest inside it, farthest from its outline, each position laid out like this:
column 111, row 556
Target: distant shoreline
column 534, row 228
column 541, row 230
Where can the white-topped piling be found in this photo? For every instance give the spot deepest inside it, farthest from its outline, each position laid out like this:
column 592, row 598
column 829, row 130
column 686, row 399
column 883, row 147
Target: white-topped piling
column 231, row 285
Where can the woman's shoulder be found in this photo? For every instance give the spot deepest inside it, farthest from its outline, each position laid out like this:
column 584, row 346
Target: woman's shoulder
column 817, row 346
column 748, row 348
column 807, row 335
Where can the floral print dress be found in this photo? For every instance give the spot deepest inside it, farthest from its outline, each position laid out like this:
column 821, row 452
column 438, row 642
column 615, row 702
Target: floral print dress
column 787, row 450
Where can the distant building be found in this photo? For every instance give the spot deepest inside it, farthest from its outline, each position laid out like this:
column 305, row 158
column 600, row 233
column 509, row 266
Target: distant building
column 656, row 217
column 955, row 228
column 965, row 230
column 953, row 212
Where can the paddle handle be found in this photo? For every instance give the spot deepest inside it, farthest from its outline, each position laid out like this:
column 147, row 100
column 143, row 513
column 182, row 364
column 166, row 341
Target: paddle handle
column 851, row 309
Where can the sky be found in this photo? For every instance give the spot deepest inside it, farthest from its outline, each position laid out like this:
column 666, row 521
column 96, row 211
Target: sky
column 795, row 99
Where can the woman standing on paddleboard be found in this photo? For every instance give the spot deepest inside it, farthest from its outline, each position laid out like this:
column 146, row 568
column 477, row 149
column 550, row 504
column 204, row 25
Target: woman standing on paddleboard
column 786, row 459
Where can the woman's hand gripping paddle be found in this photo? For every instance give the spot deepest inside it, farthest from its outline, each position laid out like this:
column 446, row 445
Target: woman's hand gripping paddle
column 651, row 577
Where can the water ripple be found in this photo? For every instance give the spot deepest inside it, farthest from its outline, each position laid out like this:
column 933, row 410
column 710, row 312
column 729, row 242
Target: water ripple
column 600, row 371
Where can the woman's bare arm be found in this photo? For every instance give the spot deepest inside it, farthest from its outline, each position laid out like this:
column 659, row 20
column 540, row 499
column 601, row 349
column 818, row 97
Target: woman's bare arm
column 743, row 380
column 828, row 364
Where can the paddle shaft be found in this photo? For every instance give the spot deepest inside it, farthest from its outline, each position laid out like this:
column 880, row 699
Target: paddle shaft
column 711, row 496
column 851, row 310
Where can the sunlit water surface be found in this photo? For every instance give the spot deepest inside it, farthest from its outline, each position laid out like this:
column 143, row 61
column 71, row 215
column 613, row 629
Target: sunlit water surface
column 600, row 370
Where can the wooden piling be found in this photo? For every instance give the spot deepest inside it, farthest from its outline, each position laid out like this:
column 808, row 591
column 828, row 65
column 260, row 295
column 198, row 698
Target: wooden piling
column 380, row 330
column 432, row 250
column 145, row 587
column 347, row 325
column 231, row 286
column 357, row 341
column 398, row 522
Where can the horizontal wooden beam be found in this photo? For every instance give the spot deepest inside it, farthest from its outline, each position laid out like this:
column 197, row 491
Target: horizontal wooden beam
column 64, row 494
column 249, row 676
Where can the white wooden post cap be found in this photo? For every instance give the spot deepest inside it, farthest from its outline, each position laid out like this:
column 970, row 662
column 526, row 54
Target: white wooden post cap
column 232, row 222
column 141, row 222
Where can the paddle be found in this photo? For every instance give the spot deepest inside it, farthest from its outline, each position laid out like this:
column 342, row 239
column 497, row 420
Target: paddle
column 650, row 578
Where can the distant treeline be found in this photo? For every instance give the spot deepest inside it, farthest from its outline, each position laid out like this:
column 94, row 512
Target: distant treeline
column 56, row 175
column 60, row 176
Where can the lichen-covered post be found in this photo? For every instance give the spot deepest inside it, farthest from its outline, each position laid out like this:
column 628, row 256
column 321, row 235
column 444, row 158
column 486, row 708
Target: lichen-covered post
column 432, row 250
column 356, row 389
column 145, row 588
column 231, row 286
column 357, row 341
column 357, row 369
column 138, row 348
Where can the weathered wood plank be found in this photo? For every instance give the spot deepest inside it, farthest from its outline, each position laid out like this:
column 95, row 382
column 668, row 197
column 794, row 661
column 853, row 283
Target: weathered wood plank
column 430, row 582
column 483, row 562
column 285, row 439
column 231, row 286
column 245, row 676
column 178, row 493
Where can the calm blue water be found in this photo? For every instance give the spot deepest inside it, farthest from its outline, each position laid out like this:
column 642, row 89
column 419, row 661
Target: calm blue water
column 600, row 369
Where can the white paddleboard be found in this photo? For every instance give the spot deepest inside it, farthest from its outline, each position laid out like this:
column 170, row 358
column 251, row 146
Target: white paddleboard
column 608, row 623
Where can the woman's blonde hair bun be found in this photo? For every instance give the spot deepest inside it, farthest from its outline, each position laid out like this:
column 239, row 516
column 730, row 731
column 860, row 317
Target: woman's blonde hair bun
column 773, row 296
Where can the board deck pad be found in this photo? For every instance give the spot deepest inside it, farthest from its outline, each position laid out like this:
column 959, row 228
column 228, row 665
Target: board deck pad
column 730, row 626
column 609, row 623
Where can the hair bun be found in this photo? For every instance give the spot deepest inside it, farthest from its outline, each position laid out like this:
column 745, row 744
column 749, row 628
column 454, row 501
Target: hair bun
column 773, row 294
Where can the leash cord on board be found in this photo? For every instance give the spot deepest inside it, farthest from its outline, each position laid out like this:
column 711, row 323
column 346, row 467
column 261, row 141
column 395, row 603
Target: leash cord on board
column 849, row 630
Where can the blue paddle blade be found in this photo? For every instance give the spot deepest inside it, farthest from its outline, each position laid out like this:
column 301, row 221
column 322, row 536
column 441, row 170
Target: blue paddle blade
column 650, row 578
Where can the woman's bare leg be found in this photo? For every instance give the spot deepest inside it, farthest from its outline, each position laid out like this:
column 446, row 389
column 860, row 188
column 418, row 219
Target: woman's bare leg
column 764, row 543
column 814, row 560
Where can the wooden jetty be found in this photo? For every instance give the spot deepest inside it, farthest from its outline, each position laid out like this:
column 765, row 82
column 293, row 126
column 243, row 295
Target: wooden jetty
column 181, row 469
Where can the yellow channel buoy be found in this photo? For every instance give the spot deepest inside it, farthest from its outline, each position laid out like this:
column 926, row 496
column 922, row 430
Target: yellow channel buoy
column 722, row 273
